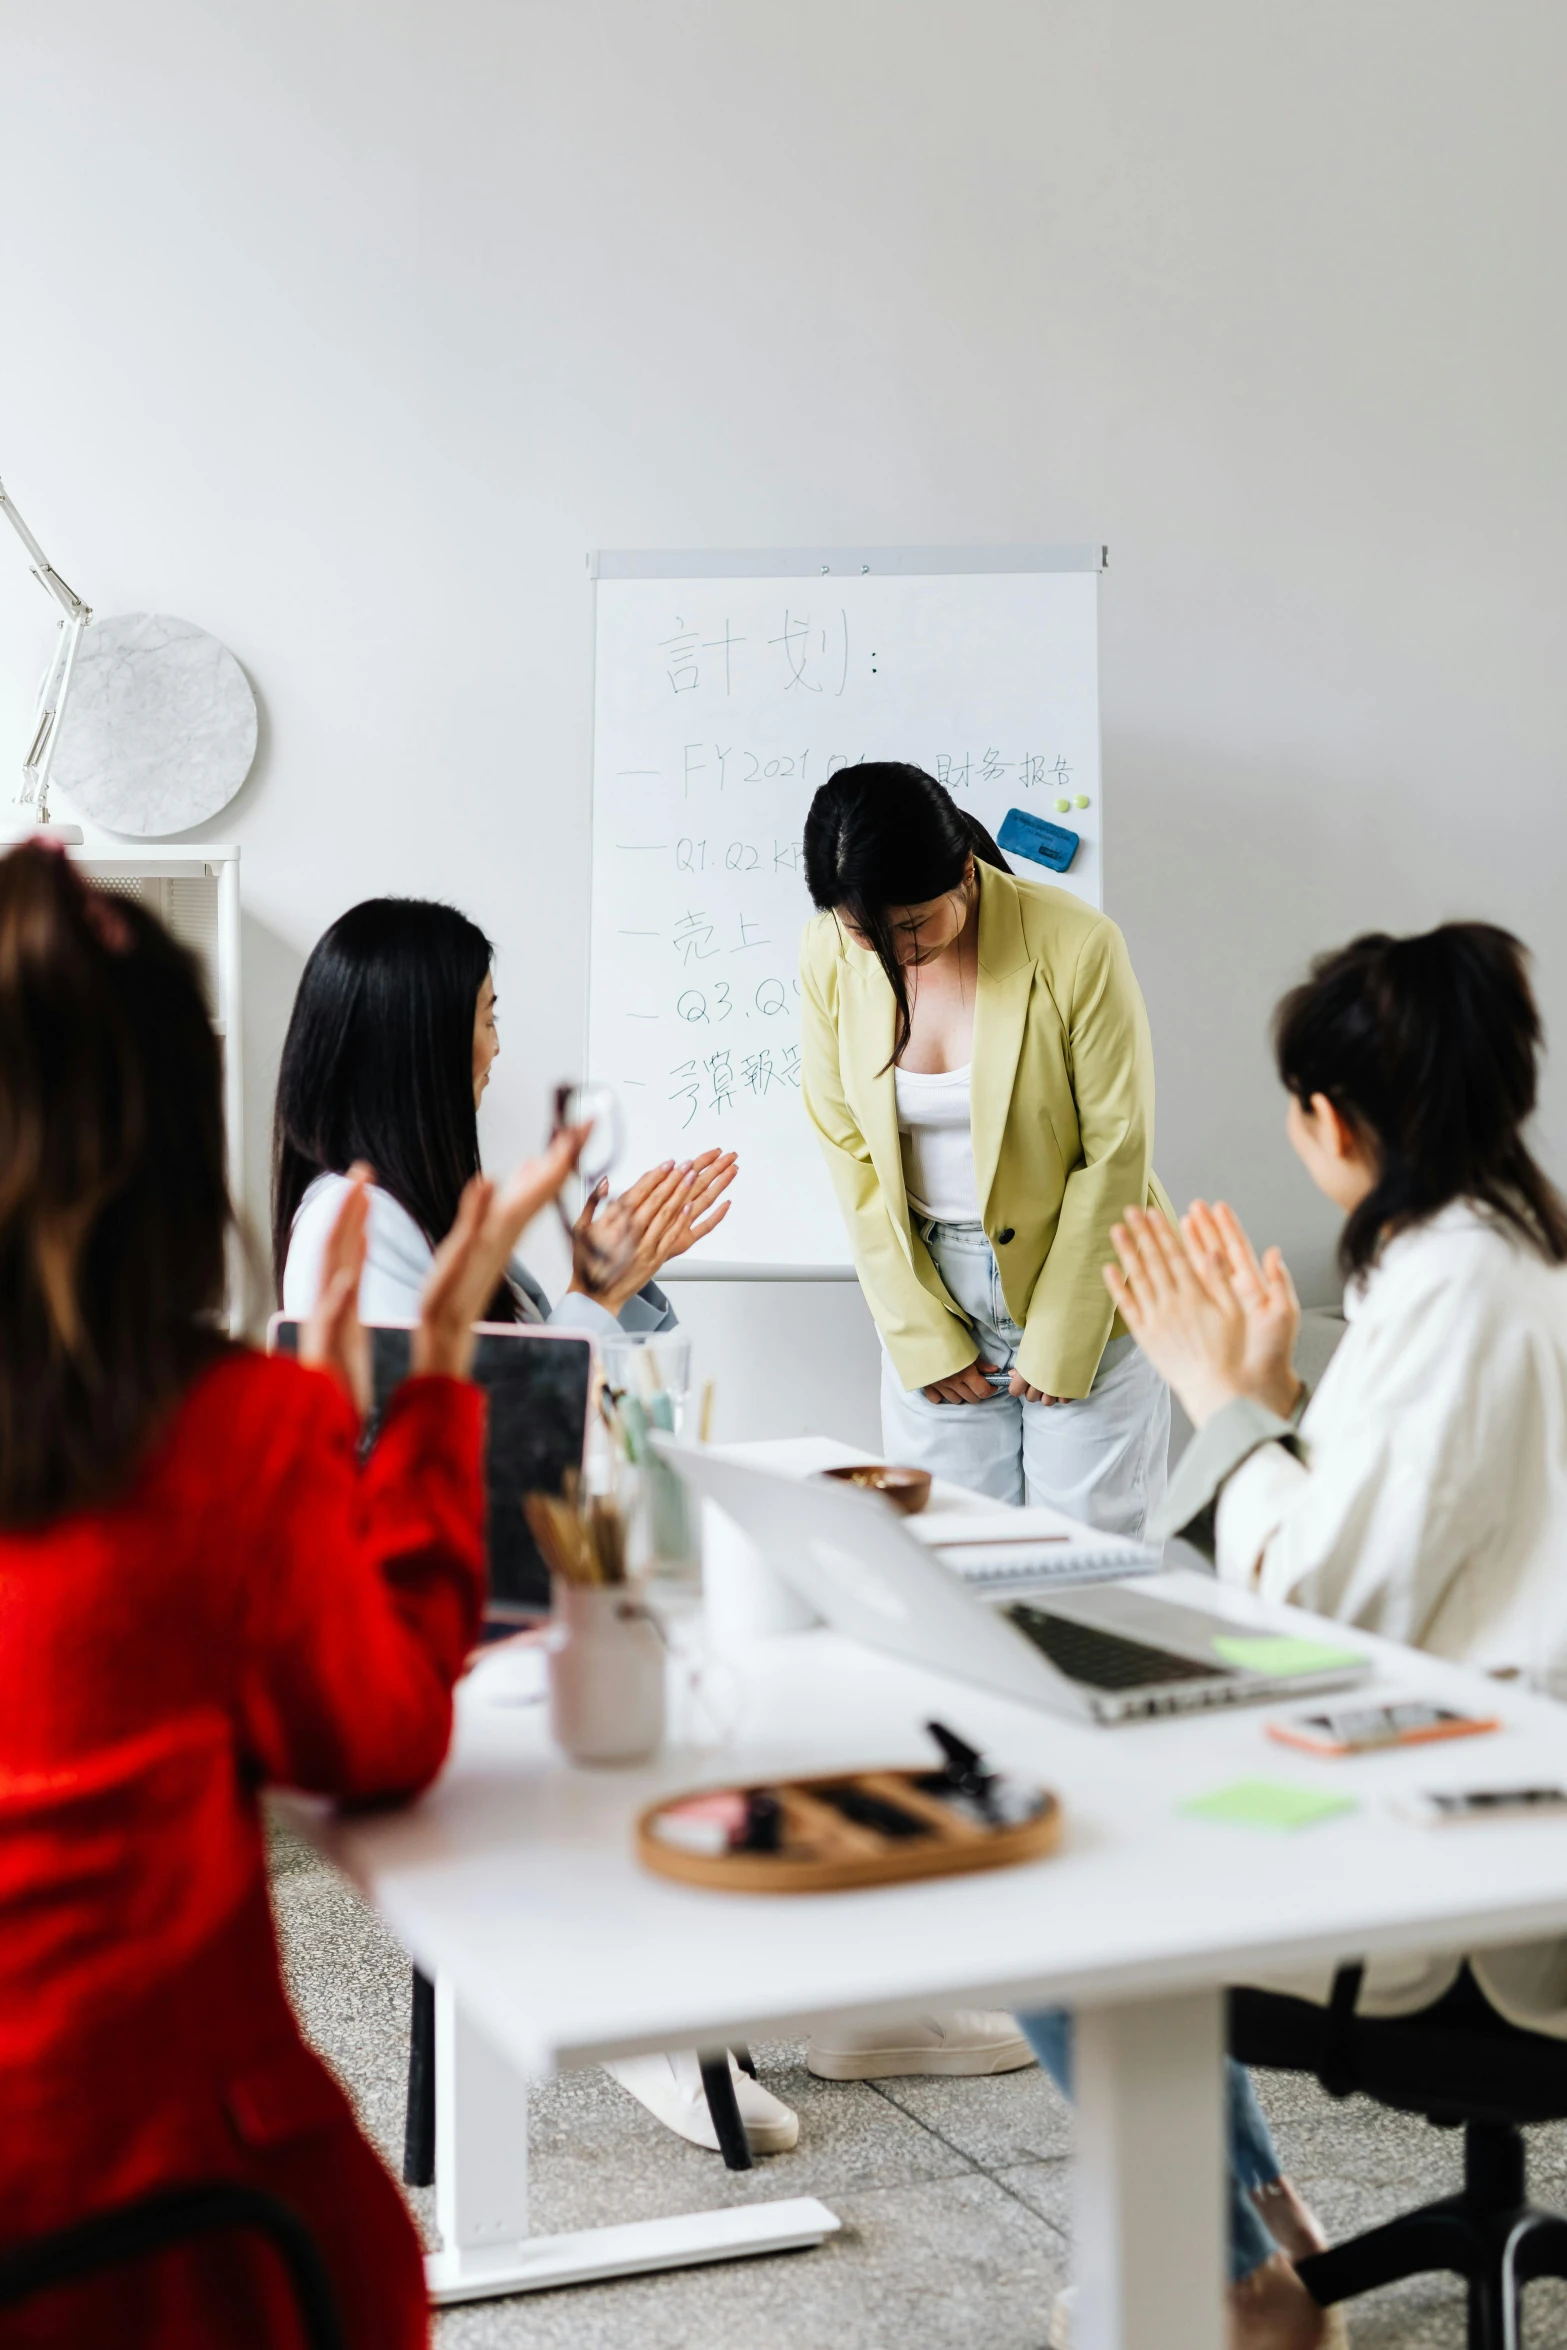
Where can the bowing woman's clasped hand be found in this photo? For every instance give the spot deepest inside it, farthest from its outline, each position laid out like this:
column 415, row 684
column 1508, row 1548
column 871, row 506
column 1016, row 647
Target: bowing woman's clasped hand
column 1212, row 1317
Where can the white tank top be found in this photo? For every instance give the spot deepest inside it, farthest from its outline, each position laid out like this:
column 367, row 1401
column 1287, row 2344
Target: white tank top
column 935, row 1131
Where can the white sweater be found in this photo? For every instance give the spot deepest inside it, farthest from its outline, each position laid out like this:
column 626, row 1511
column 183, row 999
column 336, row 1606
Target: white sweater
column 1434, row 1509
column 1431, row 1507
column 397, row 1265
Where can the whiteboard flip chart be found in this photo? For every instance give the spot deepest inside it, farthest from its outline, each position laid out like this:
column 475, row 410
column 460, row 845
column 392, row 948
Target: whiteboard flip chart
column 728, row 687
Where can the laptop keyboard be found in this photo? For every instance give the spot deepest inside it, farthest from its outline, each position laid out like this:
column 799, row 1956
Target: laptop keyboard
column 1105, row 1660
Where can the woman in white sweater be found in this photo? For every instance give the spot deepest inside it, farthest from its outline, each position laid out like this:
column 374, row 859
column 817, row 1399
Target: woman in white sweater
column 388, row 1053
column 389, row 1050
column 1421, row 1492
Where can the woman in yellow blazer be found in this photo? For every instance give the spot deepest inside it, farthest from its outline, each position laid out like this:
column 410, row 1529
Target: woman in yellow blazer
column 978, row 1067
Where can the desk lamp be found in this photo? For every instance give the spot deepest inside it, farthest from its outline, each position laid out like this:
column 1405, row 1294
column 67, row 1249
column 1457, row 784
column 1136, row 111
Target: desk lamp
column 163, row 719
column 55, row 690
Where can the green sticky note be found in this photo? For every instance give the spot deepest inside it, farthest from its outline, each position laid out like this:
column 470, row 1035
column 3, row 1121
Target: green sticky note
column 1282, row 1652
column 1268, row 1803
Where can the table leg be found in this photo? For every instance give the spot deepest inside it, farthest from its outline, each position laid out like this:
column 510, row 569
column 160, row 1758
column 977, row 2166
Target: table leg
column 1151, row 2169
column 481, row 2137
column 419, row 2117
column 724, row 2107
column 481, row 2193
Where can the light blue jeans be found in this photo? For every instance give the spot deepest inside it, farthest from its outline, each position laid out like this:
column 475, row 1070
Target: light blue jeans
column 1253, row 2161
column 1104, row 1459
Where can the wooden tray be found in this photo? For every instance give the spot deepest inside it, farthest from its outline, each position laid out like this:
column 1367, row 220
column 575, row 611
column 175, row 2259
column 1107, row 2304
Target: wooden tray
column 822, row 1852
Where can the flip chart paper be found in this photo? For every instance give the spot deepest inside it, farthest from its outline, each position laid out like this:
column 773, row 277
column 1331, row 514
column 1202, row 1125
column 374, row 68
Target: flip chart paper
column 721, row 704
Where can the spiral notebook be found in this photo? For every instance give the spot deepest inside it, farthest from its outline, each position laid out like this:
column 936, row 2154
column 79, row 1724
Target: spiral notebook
column 1005, row 1549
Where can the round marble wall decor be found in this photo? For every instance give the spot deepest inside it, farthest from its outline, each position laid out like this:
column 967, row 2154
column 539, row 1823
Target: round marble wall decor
column 160, row 726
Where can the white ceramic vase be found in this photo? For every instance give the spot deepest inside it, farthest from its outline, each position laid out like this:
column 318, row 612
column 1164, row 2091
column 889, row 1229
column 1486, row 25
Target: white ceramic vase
column 746, row 1599
column 606, row 1664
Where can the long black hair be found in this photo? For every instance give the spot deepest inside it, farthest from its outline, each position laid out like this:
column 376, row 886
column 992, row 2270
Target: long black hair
column 1429, row 1048
column 378, row 1063
column 114, row 1208
column 882, row 835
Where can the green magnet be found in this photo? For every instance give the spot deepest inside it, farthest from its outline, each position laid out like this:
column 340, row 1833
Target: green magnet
column 1081, row 800
column 1062, row 806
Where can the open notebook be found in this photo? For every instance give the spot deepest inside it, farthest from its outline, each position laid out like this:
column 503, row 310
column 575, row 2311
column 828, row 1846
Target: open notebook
column 1003, row 1549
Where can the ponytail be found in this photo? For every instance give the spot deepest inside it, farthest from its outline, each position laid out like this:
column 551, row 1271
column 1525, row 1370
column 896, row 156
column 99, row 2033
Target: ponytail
column 1429, row 1048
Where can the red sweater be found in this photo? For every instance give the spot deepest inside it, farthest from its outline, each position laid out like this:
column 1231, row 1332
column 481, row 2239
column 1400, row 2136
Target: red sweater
column 254, row 1608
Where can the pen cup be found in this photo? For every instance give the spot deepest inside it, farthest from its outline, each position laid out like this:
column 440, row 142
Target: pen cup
column 606, row 1671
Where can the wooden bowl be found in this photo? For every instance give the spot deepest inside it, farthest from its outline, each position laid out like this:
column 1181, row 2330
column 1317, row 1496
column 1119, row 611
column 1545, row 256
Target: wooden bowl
column 908, row 1490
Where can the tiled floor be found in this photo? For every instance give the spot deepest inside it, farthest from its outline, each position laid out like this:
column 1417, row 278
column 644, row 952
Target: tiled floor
column 955, row 2195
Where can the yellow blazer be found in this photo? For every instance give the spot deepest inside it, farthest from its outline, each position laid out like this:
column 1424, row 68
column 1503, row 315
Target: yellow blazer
column 1062, row 1119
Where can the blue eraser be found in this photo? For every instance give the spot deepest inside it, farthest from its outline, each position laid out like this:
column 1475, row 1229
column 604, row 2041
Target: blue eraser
column 1030, row 836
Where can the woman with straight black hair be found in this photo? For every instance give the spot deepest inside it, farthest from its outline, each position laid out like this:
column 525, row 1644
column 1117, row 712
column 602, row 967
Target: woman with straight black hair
column 978, row 1067
column 388, row 1052
column 976, row 1063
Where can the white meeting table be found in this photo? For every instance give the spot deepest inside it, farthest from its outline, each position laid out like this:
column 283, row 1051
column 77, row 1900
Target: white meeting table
column 514, row 1884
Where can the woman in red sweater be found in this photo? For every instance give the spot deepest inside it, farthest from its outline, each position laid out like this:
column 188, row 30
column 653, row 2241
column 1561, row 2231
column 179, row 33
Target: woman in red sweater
column 202, row 1591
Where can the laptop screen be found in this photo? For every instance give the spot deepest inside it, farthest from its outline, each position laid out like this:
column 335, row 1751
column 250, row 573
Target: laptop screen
column 537, row 1383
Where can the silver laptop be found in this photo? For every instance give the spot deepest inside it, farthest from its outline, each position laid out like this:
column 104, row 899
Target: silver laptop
column 1108, row 1652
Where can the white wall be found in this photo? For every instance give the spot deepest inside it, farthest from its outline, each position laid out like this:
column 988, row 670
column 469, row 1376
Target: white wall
column 345, row 329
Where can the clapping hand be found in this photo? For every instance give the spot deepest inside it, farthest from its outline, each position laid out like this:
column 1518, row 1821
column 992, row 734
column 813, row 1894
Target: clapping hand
column 703, row 1208
column 619, row 1245
column 1182, row 1312
column 1267, row 1300
column 334, row 1339
column 1212, row 1320
column 490, row 1221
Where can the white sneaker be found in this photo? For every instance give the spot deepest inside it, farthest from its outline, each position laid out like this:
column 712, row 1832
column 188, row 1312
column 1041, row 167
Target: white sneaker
column 671, row 2089
column 967, row 2040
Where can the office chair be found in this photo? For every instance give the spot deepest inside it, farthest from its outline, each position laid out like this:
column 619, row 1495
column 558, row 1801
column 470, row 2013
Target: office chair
column 419, row 2112
column 178, row 2215
column 1462, row 2066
